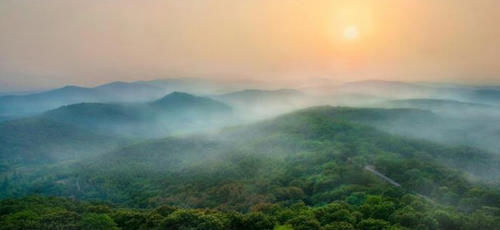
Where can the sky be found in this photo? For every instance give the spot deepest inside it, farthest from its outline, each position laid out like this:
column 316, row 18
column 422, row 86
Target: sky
column 52, row 43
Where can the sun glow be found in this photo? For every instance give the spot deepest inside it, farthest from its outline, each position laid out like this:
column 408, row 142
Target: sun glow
column 351, row 32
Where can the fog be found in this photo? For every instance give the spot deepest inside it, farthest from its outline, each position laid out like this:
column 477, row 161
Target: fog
column 461, row 114
column 249, row 114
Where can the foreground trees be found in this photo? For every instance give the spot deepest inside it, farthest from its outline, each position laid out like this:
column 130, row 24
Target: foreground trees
column 406, row 212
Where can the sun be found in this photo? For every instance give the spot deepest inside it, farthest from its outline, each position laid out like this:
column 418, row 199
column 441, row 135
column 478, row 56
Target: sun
column 351, row 32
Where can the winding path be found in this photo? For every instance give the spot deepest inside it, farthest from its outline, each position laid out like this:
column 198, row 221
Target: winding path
column 372, row 169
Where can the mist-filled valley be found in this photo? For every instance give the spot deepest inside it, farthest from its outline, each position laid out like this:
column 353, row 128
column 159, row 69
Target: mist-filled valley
column 189, row 154
column 249, row 115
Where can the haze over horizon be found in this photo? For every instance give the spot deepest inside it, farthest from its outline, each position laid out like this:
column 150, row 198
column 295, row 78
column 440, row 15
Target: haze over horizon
column 48, row 44
column 250, row 114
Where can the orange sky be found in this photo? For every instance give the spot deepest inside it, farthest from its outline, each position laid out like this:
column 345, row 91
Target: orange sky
column 56, row 42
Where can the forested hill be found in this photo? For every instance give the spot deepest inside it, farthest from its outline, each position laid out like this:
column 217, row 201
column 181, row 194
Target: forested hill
column 173, row 113
column 476, row 131
column 303, row 170
column 35, row 141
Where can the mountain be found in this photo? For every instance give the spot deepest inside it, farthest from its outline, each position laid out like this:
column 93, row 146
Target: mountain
column 82, row 130
column 430, row 103
column 375, row 92
column 486, row 95
column 117, row 92
column 449, row 108
column 401, row 91
column 194, row 85
column 181, row 101
column 129, row 92
column 175, row 113
column 31, row 104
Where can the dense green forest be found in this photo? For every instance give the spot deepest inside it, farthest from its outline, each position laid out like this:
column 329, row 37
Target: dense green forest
column 37, row 141
column 303, row 170
column 393, row 210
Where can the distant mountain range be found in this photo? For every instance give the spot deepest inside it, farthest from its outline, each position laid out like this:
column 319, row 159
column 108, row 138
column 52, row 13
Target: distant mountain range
column 116, row 92
column 403, row 90
column 25, row 105
column 449, row 108
column 252, row 99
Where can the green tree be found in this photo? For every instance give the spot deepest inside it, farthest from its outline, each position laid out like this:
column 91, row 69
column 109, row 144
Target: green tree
column 26, row 219
column 94, row 221
column 339, row 226
column 60, row 219
column 129, row 220
column 373, row 224
column 258, row 220
column 304, row 222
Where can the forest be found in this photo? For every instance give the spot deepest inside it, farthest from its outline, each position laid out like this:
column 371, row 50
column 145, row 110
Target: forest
column 302, row 170
column 250, row 115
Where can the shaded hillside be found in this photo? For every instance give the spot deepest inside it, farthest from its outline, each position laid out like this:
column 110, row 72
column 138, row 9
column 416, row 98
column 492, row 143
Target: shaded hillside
column 449, row 108
column 178, row 101
column 113, row 92
column 37, row 141
column 83, row 130
column 28, row 104
column 176, row 112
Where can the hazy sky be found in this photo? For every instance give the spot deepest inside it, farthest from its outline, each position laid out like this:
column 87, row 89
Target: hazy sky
column 47, row 43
